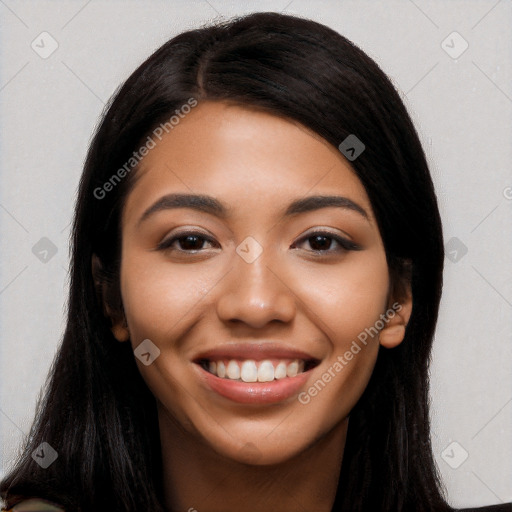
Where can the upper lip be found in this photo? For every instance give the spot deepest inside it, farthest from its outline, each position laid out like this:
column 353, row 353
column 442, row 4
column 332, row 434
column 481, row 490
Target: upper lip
column 257, row 351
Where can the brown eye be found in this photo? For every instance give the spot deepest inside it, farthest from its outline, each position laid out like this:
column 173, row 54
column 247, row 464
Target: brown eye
column 322, row 242
column 186, row 242
column 190, row 242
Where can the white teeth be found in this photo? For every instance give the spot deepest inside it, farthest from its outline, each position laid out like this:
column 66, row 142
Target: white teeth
column 266, row 372
column 280, row 371
column 249, row 372
column 233, row 370
column 252, row 371
column 221, row 369
column 292, row 369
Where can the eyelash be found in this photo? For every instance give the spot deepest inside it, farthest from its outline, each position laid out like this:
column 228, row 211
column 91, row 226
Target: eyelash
column 345, row 245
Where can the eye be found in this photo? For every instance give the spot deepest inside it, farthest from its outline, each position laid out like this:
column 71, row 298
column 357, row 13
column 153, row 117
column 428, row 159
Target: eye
column 186, row 242
column 321, row 242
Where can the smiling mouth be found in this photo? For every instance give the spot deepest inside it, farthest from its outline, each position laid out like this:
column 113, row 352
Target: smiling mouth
column 250, row 370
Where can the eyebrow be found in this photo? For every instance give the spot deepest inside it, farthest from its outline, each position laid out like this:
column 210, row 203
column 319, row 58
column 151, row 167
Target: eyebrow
column 209, row 204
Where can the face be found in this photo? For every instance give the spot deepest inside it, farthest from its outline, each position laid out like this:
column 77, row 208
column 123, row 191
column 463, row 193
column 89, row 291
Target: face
column 255, row 298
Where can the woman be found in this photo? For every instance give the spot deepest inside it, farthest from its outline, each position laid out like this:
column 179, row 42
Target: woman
column 256, row 276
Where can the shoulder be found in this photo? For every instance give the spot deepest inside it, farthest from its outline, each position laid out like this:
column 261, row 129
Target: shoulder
column 504, row 507
column 35, row 505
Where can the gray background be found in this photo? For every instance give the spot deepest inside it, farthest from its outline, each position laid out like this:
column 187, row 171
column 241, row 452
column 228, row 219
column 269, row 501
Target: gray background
column 461, row 106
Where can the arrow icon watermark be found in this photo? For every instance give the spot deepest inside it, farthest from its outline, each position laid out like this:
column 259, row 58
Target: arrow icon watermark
column 351, row 147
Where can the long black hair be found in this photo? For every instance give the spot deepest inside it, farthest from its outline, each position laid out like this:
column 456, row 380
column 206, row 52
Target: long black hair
column 96, row 410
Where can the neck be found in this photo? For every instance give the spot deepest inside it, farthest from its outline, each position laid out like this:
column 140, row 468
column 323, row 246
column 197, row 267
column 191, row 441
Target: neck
column 196, row 478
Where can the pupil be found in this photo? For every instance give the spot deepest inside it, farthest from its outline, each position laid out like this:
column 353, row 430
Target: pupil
column 321, row 238
column 190, row 242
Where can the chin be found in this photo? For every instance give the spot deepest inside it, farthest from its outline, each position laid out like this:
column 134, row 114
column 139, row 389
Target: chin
column 268, row 455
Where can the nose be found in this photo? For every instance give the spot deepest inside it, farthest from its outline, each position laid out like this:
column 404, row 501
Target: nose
column 255, row 294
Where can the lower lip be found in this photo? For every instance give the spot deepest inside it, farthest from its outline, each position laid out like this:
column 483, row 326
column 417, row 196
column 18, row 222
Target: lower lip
column 255, row 392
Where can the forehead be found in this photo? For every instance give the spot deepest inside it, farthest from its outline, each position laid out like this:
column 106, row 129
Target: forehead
column 244, row 156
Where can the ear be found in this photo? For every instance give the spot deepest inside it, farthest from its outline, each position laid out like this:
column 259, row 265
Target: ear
column 398, row 313
column 110, row 301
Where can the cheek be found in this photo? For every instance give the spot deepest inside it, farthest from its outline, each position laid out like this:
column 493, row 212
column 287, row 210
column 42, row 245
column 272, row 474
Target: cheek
column 157, row 297
column 347, row 306
column 160, row 303
column 349, row 298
